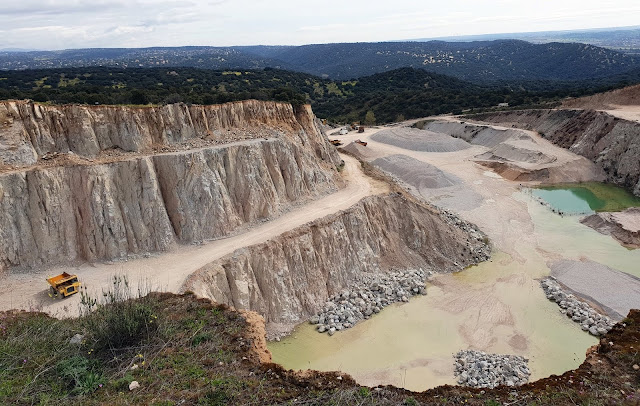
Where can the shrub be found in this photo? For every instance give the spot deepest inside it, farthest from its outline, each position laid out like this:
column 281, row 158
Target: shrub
column 82, row 375
column 118, row 321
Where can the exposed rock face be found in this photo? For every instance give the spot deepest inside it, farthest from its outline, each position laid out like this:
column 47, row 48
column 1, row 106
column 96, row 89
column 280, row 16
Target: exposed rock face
column 624, row 226
column 288, row 279
column 610, row 142
column 147, row 201
column 30, row 131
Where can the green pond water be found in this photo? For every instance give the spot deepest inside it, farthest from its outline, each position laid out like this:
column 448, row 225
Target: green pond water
column 496, row 306
column 585, row 198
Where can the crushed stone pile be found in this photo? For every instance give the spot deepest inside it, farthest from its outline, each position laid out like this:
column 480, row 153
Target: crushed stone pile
column 481, row 370
column 368, row 296
column 580, row 312
column 416, row 173
column 420, row 140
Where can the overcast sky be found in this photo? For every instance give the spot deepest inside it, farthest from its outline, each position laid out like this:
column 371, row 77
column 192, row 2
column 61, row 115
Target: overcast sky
column 62, row 24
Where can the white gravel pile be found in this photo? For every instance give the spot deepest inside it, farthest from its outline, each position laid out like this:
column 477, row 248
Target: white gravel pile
column 481, row 370
column 416, row 173
column 419, row 140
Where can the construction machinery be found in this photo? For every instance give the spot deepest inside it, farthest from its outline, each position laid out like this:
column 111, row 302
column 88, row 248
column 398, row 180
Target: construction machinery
column 336, row 143
column 364, row 144
column 63, row 285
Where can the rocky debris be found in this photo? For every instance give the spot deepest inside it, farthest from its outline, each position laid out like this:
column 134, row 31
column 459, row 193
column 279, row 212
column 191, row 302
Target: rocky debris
column 367, row 297
column 477, row 241
column 580, row 312
column 481, row 370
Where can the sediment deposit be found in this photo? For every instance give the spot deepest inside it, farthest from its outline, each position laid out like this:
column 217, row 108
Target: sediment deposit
column 289, row 279
column 613, row 292
column 624, row 226
column 420, row 140
column 611, row 143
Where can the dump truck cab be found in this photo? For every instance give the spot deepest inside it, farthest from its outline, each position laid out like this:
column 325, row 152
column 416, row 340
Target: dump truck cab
column 63, row 285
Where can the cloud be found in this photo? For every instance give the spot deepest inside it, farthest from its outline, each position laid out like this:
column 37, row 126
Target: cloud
column 57, row 24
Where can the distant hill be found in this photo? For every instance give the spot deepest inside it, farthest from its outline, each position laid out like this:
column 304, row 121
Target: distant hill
column 479, row 62
column 624, row 39
column 475, row 61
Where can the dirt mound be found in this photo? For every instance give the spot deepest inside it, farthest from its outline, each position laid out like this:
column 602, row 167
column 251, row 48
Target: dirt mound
column 512, row 152
column 416, row 173
column 624, row 226
column 419, row 140
column 476, row 134
column 609, row 142
column 628, row 96
column 359, row 151
column 427, row 181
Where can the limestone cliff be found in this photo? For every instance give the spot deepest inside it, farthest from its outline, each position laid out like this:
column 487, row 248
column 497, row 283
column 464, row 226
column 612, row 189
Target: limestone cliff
column 612, row 143
column 289, row 278
column 145, row 200
column 30, row 131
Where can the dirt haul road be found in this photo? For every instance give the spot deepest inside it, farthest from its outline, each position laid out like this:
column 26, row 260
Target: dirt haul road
column 167, row 271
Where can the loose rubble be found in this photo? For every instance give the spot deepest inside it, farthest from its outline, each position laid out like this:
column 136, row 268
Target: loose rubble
column 481, row 370
column 369, row 296
column 479, row 252
column 580, row 312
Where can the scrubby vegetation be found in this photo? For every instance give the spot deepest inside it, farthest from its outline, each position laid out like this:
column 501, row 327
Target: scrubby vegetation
column 385, row 97
column 187, row 351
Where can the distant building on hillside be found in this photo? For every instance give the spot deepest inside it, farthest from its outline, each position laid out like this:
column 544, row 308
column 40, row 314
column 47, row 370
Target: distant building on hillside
column 503, row 104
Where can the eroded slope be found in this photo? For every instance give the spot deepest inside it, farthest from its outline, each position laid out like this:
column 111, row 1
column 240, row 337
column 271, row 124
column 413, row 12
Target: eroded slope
column 290, row 277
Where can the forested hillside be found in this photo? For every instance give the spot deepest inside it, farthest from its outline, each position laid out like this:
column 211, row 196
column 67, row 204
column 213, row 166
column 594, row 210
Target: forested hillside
column 390, row 96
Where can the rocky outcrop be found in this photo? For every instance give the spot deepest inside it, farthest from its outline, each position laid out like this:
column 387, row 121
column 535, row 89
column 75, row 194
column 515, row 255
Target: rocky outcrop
column 611, row 143
column 31, row 131
column 288, row 279
column 624, row 226
column 105, row 211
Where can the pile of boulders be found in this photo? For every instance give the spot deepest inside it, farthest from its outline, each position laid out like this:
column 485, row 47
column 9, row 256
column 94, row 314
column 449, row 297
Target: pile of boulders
column 479, row 242
column 580, row 312
column 481, row 370
column 368, row 296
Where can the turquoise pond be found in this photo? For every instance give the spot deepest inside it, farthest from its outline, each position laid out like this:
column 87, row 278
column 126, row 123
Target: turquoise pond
column 586, row 198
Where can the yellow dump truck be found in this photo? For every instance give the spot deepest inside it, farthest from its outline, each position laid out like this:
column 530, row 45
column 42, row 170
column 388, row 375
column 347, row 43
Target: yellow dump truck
column 63, row 285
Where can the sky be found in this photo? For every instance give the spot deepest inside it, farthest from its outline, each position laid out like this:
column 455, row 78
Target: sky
column 65, row 24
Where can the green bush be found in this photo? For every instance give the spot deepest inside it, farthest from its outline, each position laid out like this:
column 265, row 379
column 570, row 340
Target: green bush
column 82, row 375
column 118, row 321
